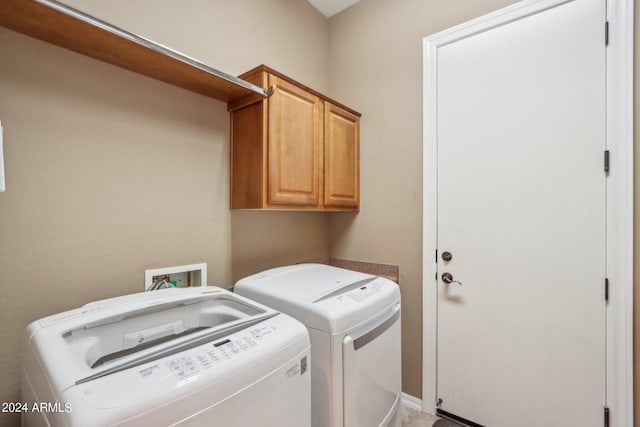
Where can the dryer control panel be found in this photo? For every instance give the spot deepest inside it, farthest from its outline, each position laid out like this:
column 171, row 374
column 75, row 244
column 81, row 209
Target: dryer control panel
column 354, row 304
column 363, row 292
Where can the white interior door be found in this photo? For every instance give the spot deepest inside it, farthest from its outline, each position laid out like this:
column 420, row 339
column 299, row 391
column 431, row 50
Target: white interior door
column 521, row 209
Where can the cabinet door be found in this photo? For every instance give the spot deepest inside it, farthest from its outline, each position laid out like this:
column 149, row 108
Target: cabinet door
column 295, row 137
column 341, row 158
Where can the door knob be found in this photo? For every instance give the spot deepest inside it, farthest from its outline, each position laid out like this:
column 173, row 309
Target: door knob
column 446, row 256
column 448, row 278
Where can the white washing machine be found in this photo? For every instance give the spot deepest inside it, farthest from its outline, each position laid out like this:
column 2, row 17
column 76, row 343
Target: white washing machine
column 189, row 357
column 354, row 324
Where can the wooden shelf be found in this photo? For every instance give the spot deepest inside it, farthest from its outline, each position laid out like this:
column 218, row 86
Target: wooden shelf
column 69, row 28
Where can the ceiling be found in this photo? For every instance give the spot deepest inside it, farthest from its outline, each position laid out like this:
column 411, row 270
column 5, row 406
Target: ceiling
column 331, row 7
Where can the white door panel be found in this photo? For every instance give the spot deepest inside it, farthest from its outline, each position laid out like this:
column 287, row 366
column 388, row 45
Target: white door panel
column 371, row 363
column 521, row 206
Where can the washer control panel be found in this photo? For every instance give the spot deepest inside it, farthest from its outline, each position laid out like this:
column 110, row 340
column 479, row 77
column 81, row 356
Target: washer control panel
column 205, row 357
column 182, row 366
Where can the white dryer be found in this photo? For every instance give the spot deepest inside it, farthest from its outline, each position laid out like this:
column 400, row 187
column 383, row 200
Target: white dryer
column 354, row 324
column 188, row 357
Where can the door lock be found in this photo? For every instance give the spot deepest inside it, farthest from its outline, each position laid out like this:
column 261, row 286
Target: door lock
column 448, row 278
column 446, row 256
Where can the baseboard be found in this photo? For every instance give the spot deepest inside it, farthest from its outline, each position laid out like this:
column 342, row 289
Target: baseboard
column 411, row 402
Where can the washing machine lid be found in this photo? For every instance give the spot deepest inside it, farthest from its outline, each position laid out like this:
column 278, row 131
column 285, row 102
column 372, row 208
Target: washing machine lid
column 323, row 297
column 110, row 336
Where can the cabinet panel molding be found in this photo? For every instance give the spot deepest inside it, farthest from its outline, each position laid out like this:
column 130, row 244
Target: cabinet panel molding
column 342, row 157
column 295, row 135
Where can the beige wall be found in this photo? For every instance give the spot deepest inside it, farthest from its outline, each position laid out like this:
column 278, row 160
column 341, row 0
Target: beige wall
column 110, row 173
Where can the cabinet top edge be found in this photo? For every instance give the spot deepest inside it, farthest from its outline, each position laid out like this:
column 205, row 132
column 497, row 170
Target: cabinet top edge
column 266, row 69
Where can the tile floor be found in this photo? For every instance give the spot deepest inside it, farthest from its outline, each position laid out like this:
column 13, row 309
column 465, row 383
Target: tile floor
column 408, row 417
column 413, row 418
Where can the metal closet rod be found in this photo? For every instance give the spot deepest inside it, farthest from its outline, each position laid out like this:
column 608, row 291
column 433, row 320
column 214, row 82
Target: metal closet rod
column 92, row 20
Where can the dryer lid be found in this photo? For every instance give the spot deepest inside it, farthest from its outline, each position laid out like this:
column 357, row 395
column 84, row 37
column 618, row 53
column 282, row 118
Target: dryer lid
column 322, row 297
column 306, row 282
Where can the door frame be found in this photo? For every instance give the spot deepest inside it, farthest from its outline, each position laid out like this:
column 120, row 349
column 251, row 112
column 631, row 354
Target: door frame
column 619, row 199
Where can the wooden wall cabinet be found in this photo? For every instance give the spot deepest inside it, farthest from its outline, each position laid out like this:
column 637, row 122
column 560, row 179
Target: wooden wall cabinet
column 296, row 149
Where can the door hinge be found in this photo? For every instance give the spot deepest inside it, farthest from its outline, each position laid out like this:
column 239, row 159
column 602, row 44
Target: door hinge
column 606, row 416
column 606, row 33
column 606, row 161
column 606, row 290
